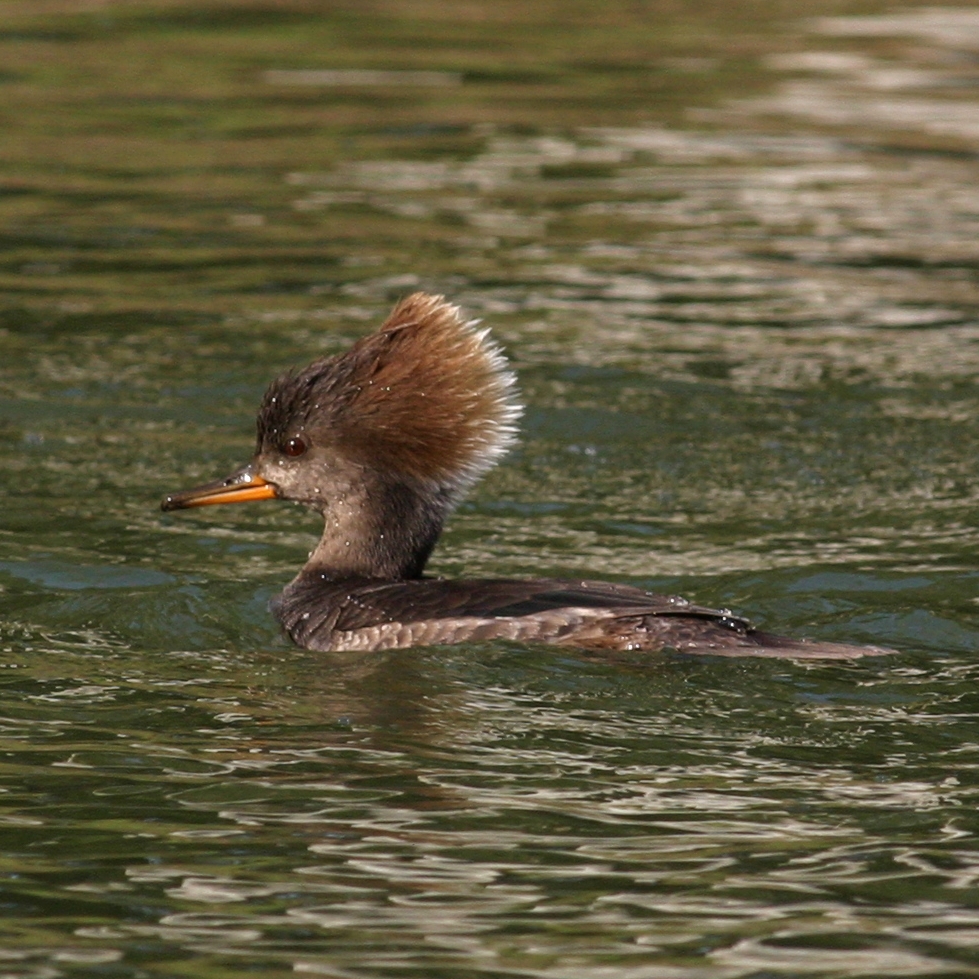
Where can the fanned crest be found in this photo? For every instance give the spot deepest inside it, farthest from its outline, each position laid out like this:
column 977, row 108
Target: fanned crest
column 429, row 394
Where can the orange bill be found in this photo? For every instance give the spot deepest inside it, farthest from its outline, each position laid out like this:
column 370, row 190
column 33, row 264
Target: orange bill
column 241, row 487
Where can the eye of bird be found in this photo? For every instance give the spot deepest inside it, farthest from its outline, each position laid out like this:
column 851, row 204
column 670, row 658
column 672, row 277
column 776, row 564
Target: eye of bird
column 295, row 447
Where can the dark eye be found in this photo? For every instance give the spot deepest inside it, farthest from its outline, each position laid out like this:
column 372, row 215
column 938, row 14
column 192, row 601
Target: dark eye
column 295, row 447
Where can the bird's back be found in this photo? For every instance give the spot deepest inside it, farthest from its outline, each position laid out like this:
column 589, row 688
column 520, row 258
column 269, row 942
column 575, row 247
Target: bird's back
column 369, row 614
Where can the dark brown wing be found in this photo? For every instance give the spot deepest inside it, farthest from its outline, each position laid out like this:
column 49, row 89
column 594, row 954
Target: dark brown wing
column 368, row 614
column 436, row 598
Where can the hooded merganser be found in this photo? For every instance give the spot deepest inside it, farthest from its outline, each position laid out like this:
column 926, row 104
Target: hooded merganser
column 383, row 441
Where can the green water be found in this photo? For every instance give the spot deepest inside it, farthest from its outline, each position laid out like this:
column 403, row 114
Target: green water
column 731, row 251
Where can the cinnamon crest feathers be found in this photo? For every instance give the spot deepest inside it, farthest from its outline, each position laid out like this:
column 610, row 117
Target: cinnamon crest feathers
column 428, row 394
column 383, row 440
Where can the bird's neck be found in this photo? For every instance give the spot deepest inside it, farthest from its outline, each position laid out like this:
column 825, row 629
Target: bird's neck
column 382, row 530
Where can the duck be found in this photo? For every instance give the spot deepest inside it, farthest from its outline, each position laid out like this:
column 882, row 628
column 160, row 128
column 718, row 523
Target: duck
column 383, row 441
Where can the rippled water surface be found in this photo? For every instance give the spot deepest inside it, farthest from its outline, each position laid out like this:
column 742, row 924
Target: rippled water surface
column 732, row 254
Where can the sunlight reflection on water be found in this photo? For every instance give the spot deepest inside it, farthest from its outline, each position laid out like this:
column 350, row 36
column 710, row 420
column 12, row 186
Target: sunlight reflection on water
column 746, row 332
